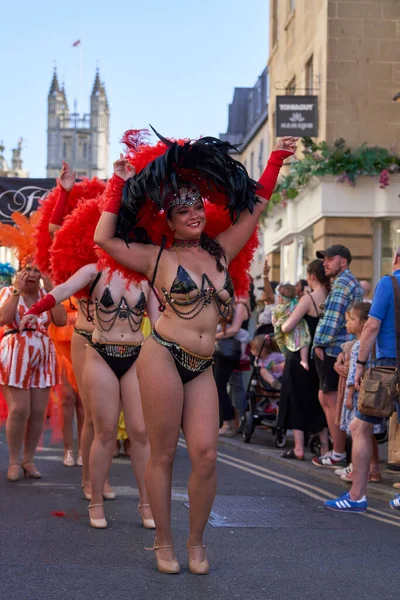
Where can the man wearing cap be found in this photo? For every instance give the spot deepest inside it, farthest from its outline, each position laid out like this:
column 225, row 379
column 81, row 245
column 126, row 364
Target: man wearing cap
column 330, row 335
column 379, row 330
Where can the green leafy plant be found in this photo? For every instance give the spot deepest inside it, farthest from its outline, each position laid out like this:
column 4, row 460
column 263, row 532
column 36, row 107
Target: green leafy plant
column 341, row 161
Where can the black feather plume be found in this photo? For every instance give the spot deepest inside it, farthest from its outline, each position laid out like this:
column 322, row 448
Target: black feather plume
column 206, row 162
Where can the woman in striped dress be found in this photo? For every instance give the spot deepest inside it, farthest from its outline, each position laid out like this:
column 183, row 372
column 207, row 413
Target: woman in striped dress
column 27, row 365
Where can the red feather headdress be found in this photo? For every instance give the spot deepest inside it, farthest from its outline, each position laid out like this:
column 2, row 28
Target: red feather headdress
column 153, row 221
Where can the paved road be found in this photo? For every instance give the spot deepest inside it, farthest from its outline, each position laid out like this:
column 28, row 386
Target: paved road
column 269, row 538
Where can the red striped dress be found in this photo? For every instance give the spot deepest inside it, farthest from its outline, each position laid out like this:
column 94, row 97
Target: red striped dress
column 27, row 359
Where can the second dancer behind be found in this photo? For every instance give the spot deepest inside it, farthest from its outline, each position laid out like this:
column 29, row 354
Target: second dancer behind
column 196, row 290
column 110, row 365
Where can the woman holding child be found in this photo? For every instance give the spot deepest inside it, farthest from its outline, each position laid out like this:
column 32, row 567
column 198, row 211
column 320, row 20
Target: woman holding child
column 299, row 408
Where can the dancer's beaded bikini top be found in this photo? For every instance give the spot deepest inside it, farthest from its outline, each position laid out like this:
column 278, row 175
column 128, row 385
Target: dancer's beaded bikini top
column 183, row 284
column 134, row 314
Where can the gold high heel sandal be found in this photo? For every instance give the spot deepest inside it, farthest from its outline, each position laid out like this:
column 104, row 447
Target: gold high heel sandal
column 198, row 567
column 97, row 523
column 31, row 471
column 15, row 474
column 147, row 523
column 170, row 567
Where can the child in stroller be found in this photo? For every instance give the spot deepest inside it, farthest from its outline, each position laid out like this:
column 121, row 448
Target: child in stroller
column 264, row 386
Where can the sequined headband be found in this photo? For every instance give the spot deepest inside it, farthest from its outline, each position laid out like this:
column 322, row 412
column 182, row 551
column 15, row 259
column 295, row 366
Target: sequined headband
column 186, row 194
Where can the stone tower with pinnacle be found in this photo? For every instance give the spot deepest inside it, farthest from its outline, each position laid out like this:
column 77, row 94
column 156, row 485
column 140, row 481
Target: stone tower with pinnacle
column 81, row 140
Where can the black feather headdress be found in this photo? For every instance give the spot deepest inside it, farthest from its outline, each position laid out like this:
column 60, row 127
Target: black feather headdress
column 205, row 163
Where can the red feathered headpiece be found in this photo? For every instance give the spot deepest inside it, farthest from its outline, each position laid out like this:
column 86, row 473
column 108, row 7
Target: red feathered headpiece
column 84, row 190
column 154, row 222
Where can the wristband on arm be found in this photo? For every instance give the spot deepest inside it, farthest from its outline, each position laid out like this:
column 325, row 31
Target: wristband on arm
column 46, row 303
column 114, row 194
column 267, row 181
column 58, row 214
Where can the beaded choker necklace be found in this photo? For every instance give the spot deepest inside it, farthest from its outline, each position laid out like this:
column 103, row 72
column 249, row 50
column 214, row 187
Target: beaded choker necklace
column 186, row 243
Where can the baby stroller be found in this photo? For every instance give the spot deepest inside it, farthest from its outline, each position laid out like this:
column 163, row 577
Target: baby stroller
column 262, row 407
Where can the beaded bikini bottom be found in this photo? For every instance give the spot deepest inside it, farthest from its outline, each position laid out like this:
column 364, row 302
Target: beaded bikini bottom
column 189, row 365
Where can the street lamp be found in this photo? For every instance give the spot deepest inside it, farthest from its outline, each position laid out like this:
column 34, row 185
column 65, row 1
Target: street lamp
column 396, row 98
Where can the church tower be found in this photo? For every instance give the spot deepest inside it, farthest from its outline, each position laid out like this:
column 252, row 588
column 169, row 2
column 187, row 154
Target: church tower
column 99, row 124
column 81, row 140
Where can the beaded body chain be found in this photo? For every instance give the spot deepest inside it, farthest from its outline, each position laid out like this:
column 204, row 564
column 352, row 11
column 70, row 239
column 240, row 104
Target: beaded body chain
column 204, row 298
column 107, row 316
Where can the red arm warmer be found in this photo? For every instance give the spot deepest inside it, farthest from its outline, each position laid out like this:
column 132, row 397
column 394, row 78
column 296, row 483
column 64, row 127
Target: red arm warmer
column 271, row 172
column 46, row 303
column 58, row 214
column 114, row 194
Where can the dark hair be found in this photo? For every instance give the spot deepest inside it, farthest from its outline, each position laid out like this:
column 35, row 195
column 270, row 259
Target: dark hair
column 303, row 284
column 362, row 309
column 287, row 290
column 266, row 342
column 214, row 248
column 316, row 268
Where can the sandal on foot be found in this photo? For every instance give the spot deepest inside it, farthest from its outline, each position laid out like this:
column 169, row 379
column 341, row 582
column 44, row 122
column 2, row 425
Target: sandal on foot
column 291, row 455
column 170, row 567
column 31, row 471
column 97, row 523
column 198, row 567
column 87, row 495
column 147, row 523
column 14, row 475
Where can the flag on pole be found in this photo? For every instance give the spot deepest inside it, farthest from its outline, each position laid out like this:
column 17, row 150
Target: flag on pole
column 77, row 43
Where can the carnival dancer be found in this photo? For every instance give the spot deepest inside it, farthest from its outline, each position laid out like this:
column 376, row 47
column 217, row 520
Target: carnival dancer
column 195, row 291
column 110, row 369
column 56, row 207
column 27, row 355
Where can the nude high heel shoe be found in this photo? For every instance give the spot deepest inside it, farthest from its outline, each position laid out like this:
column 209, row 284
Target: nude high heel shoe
column 147, row 523
column 109, row 495
column 86, row 494
column 170, row 567
column 97, row 523
column 30, row 470
column 15, row 474
column 198, row 567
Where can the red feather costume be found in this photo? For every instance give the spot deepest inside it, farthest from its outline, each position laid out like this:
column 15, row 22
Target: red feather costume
column 153, row 220
column 84, row 190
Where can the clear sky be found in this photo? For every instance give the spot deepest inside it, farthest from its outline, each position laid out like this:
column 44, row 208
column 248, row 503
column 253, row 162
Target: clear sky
column 173, row 64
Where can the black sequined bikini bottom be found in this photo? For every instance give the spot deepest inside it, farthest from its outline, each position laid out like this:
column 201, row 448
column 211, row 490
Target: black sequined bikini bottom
column 188, row 365
column 119, row 357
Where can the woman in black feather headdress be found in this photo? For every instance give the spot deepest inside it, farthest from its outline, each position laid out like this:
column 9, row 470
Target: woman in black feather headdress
column 194, row 289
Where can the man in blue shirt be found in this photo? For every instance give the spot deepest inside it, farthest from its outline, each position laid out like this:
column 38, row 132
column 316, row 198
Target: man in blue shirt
column 380, row 329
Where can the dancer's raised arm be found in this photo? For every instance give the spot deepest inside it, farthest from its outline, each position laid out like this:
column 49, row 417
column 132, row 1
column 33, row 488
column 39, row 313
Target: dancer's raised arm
column 66, row 181
column 234, row 238
column 138, row 257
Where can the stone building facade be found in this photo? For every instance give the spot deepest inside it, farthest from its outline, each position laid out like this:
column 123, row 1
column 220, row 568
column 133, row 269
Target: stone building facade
column 81, row 140
column 347, row 53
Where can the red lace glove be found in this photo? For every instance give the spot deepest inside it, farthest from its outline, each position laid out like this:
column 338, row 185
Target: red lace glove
column 114, row 194
column 268, row 179
column 46, row 303
column 58, row 214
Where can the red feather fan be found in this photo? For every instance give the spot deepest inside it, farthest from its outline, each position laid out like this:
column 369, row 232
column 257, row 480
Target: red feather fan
column 88, row 188
column 73, row 245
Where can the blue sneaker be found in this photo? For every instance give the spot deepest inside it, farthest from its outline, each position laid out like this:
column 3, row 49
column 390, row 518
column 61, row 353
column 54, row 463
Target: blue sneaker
column 395, row 503
column 345, row 504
